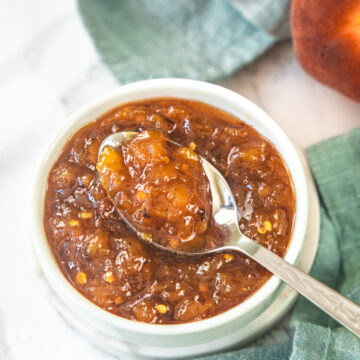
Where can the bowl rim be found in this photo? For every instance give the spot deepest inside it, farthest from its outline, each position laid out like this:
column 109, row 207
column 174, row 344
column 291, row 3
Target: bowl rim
column 186, row 90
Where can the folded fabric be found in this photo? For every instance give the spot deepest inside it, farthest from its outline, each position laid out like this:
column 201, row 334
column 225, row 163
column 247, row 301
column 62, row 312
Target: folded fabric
column 335, row 164
column 197, row 39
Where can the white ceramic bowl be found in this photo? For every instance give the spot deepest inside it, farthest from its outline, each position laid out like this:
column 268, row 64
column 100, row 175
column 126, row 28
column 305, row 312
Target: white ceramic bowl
column 181, row 334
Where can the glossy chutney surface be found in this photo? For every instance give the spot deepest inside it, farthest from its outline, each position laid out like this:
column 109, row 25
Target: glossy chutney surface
column 104, row 260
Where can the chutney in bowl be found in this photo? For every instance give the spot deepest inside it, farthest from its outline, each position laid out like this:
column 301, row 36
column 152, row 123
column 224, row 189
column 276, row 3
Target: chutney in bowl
column 214, row 302
column 106, row 262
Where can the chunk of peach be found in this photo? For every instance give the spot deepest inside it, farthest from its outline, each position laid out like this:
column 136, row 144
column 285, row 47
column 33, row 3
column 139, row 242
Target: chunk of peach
column 178, row 196
column 144, row 310
column 189, row 309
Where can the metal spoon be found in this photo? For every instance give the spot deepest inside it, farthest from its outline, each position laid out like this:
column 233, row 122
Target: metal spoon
column 225, row 214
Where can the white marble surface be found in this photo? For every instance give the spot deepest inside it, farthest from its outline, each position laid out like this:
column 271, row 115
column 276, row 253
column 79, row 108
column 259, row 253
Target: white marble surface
column 48, row 69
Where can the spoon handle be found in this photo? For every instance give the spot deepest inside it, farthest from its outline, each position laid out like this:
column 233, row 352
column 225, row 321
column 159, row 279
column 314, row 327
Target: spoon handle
column 333, row 303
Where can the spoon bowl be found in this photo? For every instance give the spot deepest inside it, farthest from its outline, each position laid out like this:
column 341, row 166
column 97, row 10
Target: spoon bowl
column 224, row 208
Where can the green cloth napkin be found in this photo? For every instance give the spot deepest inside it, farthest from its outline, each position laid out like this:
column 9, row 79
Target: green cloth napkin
column 335, row 164
column 196, row 39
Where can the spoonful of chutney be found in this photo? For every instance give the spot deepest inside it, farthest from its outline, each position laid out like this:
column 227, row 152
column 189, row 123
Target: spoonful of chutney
column 175, row 199
column 159, row 189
